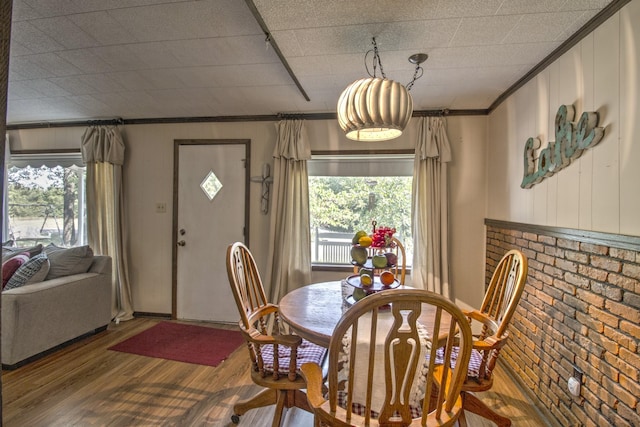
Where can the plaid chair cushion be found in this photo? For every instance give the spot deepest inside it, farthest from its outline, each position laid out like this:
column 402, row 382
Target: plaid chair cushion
column 359, row 409
column 307, row 352
column 474, row 362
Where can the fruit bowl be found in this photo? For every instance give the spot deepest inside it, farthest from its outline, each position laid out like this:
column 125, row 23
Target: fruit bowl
column 377, row 285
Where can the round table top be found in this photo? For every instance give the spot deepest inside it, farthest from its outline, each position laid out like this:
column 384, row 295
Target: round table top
column 313, row 311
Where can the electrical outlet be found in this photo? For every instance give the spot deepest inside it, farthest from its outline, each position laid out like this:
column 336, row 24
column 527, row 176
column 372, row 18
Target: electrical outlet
column 577, row 374
column 161, row 207
column 575, row 382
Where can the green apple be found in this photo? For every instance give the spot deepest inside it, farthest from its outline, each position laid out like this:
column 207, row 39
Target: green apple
column 379, row 261
column 358, row 294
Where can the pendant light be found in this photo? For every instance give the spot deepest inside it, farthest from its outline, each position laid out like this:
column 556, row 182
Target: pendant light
column 377, row 108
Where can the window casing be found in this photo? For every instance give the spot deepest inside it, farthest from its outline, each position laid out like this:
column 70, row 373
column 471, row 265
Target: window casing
column 348, row 192
column 45, row 199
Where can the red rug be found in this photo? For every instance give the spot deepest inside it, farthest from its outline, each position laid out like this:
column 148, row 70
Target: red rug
column 184, row 343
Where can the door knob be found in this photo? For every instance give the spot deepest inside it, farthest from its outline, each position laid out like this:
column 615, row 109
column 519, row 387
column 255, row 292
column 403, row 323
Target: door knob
column 182, row 243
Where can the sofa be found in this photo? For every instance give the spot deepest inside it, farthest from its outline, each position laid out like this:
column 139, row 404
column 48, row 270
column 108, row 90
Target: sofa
column 39, row 317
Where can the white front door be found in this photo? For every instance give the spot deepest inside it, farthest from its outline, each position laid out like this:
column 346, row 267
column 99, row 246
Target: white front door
column 211, row 212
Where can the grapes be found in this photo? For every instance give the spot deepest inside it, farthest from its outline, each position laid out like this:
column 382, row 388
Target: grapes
column 382, row 237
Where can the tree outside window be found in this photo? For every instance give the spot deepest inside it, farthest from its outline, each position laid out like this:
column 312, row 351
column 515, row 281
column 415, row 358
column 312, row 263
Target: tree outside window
column 46, row 205
column 340, row 205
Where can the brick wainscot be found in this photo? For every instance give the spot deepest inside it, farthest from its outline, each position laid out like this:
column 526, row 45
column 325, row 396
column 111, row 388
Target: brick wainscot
column 580, row 308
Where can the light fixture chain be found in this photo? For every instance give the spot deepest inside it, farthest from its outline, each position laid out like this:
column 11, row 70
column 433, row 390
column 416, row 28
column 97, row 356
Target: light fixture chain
column 416, row 76
column 376, row 58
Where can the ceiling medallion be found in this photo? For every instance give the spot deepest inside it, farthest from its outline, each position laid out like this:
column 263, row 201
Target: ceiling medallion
column 377, row 108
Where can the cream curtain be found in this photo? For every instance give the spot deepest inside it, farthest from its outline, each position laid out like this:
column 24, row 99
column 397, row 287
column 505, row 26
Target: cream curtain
column 430, row 213
column 289, row 265
column 103, row 152
column 5, row 188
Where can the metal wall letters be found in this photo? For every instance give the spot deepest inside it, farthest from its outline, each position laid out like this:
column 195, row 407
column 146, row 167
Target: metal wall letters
column 571, row 141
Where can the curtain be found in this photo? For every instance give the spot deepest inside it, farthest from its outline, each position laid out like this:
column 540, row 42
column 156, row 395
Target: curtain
column 289, row 265
column 103, row 153
column 429, row 208
column 5, row 190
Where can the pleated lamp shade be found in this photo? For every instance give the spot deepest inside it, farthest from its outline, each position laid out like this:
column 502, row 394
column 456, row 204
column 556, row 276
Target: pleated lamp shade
column 374, row 109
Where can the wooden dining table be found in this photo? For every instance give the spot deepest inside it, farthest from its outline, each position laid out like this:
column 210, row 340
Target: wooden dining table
column 313, row 311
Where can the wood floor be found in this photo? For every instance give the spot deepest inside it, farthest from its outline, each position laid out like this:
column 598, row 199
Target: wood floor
column 87, row 385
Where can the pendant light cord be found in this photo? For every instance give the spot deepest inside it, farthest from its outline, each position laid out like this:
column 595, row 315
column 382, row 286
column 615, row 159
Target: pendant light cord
column 377, row 62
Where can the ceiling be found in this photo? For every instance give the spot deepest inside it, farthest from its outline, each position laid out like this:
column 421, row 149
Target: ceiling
column 143, row 59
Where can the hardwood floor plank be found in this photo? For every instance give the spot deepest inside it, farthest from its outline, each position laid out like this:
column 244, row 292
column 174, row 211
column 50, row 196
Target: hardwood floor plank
column 85, row 384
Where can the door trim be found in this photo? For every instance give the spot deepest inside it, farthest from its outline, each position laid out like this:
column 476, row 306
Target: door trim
column 177, row 143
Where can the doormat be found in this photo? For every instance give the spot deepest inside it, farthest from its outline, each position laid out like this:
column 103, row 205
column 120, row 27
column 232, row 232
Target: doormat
column 183, row 343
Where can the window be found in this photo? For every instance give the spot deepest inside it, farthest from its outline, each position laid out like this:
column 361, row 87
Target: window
column 348, row 192
column 45, row 199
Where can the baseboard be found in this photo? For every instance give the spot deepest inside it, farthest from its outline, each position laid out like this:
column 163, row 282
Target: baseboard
column 147, row 314
column 531, row 397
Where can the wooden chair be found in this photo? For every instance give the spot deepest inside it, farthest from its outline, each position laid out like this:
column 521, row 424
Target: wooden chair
column 400, row 269
column 275, row 355
column 382, row 362
column 499, row 304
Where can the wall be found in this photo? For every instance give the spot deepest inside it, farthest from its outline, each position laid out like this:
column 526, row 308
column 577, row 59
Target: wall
column 599, row 190
column 580, row 307
column 581, row 303
column 148, row 175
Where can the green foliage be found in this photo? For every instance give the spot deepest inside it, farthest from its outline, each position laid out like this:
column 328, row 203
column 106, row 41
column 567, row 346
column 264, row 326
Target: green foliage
column 36, row 191
column 41, row 200
column 348, row 204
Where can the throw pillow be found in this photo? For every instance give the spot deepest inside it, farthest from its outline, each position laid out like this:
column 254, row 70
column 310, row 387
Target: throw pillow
column 10, row 252
column 33, row 271
column 11, row 265
column 68, row 261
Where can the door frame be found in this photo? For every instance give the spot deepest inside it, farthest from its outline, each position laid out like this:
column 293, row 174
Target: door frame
column 177, row 143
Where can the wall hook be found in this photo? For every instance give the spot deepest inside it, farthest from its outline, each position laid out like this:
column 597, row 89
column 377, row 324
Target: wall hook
column 266, row 179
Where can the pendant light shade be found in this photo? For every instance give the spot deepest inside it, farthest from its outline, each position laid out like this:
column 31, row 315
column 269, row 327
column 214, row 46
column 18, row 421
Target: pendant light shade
column 374, row 109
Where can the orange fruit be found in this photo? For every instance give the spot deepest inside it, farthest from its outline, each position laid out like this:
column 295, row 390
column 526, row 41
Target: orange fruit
column 387, row 278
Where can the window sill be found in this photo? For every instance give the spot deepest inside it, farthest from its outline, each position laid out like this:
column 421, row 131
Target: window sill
column 340, row 267
column 332, row 267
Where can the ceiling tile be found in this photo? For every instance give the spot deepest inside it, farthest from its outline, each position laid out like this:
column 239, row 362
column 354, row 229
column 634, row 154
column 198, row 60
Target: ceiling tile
column 296, row 14
column 541, row 27
column 461, row 8
column 27, row 70
column 76, row 59
column 102, row 27
column 484, row 30
column 86, row 60
column 64, row 31
column 54, row 64
column 32, row 38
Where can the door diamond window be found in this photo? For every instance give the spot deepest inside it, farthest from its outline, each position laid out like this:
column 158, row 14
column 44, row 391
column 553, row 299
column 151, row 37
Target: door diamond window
column 211, row 185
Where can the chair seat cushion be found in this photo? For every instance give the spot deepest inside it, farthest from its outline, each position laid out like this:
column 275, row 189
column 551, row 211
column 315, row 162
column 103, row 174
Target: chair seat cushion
column 359, row 409
column 307, row 352
column 474, row 362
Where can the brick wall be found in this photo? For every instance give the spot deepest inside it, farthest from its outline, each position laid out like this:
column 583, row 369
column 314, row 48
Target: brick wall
column 580, row 307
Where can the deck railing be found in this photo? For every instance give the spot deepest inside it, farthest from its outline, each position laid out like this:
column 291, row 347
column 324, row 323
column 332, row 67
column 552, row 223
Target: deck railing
column 332, row 247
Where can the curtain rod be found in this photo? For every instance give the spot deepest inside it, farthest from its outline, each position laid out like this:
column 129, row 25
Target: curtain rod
column 223, row 119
